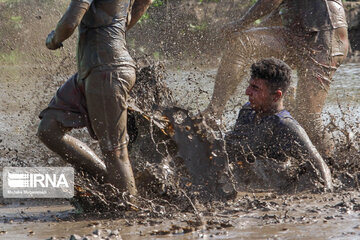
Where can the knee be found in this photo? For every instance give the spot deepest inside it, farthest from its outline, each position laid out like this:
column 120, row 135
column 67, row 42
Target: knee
column 48, row 130
column 43, row 131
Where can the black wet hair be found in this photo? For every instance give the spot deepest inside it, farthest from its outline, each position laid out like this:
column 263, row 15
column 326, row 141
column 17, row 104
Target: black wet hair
column 276, row 73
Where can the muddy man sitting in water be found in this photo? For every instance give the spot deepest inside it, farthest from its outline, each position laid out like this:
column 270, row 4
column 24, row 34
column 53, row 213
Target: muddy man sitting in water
column 96, row 96
column 312, row 37
column 264, row 129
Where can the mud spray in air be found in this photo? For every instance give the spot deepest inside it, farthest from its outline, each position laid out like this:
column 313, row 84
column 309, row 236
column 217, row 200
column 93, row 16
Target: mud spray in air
column 188, row 188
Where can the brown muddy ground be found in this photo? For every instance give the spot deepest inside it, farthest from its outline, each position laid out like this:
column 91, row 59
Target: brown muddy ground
column 250, row 216
column 170, row 206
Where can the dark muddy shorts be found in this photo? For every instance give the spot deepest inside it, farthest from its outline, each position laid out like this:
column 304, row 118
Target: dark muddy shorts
column 98, row 102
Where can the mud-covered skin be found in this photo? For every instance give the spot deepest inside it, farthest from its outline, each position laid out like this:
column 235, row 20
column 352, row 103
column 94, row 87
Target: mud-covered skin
column 276, row 136
column 97, row 95
column 315, row 48
column 102, row 43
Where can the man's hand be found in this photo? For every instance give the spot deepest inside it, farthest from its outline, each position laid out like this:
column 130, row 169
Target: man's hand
column 50, row 43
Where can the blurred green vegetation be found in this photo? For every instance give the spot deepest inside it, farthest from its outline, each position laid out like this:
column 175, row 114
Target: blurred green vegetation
column 158, row 3
column 9, row 1
column 16, row 21
column 19, row 16
column 198, row 27
column 10, row 58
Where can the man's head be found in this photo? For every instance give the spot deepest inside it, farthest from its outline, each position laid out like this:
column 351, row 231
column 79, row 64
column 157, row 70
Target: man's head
column 270, row 78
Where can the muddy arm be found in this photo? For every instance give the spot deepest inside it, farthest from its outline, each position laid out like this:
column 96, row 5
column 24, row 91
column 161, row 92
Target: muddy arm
column 296, row 143
column 138, row 9
column 67, row 24
column 260, row 9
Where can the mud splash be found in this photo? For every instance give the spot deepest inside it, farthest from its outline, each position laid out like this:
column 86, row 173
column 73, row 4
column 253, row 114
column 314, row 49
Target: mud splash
column 170, row 191
column 178, row 161
column 163, row 180
column 173, row 204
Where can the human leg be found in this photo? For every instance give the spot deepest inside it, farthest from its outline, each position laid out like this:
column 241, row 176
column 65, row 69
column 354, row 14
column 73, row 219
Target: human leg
column 315, row 75
column 106, row 96
column 54, row 135
column 310, row 99
column 67, row 110
column 239, row 54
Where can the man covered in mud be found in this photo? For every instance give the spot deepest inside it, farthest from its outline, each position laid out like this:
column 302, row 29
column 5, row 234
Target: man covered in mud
column 311, row 36
column 96, row 96
column 265, row 130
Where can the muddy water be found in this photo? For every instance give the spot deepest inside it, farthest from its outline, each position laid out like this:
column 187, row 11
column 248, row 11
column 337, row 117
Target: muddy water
column 249, row 216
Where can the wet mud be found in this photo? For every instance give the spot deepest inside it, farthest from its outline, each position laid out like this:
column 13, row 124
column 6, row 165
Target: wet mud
column 249, row 216
column 184, row 192
column 178, row 162
column 191, row 192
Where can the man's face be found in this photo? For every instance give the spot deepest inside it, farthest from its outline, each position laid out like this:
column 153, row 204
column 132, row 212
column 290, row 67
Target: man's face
column 260, row 96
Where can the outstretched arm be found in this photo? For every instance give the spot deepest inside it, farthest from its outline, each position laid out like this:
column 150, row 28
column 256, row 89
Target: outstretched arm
column 260, row 9
column 138, row 9
column 67, row 24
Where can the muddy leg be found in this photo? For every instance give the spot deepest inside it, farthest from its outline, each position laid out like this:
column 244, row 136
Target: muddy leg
column 232, row 69
column 120, row 172
column 315, row 76
column 310, row 100
column 54, row 136
column 106, row 95
column 227, row 79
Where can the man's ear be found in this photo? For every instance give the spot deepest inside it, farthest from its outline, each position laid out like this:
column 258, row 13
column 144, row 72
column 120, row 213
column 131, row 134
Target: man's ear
column 277, row 95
